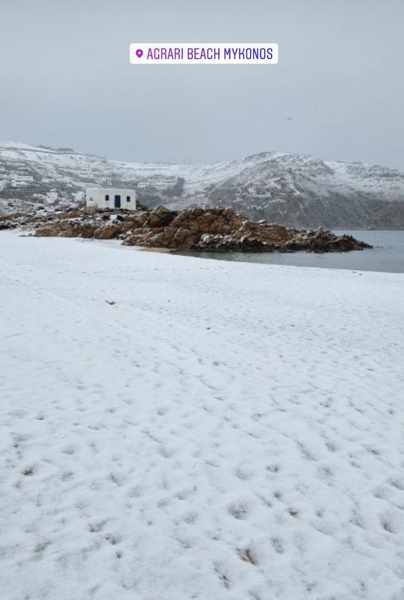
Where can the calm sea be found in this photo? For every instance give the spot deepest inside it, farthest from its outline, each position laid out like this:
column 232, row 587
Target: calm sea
column 387, row 254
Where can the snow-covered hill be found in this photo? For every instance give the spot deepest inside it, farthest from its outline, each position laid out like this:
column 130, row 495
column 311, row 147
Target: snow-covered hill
column 290, row 188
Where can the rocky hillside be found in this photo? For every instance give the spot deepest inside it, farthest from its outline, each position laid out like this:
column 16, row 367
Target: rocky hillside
column 204, row 229
column 292, row 189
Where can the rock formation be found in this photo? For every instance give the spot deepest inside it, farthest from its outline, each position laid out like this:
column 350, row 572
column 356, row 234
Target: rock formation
column 200, row 229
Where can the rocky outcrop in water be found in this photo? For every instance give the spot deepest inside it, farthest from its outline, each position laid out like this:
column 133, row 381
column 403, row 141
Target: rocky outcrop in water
column 216, row 229
column 224, row 229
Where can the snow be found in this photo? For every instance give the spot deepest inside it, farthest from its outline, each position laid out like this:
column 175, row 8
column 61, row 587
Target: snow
column 271, row 173
column 176, row 428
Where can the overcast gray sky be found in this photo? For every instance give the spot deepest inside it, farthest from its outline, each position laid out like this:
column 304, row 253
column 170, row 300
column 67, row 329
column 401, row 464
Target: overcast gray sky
column 337, row 92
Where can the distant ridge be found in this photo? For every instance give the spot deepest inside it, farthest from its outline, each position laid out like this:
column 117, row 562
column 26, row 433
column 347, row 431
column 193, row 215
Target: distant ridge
column 293, row 189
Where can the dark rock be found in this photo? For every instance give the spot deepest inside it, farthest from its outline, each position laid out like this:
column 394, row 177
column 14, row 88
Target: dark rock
column 160, row 217
column 190, row 229
column 108, row 232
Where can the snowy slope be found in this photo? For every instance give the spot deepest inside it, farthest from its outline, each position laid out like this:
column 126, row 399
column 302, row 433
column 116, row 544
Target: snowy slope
column 179, row 429
column 289, row 188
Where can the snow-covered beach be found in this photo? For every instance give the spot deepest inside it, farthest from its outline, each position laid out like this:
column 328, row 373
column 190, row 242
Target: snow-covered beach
column 175, row 428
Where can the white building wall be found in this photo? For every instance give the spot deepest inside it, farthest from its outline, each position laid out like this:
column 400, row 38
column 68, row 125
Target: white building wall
column 105, row 198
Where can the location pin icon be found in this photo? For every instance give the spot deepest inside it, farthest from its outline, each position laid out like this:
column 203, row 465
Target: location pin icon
column 139, row 53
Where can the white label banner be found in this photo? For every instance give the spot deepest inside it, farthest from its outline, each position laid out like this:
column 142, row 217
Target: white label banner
column 203, row 53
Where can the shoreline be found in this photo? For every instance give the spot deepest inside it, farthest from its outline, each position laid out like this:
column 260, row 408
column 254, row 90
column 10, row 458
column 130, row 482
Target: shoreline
column 271, row 259
column 354, row 261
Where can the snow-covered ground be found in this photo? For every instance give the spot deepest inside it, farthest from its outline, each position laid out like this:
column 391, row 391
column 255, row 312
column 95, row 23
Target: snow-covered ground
column 177, row 429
